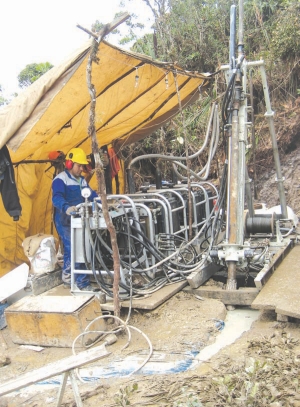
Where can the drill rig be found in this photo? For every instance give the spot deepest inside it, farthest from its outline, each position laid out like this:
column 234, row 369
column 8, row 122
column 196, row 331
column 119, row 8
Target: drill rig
column 171, row 231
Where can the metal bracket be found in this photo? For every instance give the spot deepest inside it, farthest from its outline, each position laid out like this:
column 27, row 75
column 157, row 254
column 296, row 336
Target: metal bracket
column 233, row 252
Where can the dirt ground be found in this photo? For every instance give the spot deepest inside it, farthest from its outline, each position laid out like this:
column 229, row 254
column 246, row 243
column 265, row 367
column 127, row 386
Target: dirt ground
column 261, row 368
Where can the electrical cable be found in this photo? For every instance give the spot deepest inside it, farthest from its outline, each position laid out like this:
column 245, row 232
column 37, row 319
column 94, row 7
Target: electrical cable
column 170, row 158
column 122, row 285
column 185, row 257
column 211, row 152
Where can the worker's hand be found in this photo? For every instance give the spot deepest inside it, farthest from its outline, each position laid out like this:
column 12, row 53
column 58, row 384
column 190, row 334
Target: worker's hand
column 70, row 210
column 88, row 169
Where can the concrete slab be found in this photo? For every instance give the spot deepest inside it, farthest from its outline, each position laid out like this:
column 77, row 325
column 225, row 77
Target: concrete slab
column 281, row 293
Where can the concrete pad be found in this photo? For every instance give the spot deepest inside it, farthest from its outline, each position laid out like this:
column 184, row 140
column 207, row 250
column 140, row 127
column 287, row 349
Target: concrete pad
column 281, row 293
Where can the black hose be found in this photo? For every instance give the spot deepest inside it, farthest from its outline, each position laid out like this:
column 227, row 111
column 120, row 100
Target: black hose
column 228, row 98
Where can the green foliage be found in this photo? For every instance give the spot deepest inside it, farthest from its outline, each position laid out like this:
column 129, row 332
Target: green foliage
column 191, row 31
column 285, row 41
column 243, row 387
column 145, row 45
column 261, row 11
column 97, row 26
column 168, row 140
column 129, row 35
column 189, row 400
column 32, row 72
column 122, row 397
column 195, row 35
column 3, row 100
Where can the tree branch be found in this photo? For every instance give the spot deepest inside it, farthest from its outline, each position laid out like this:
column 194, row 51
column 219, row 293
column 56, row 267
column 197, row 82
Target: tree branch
column 108, row 28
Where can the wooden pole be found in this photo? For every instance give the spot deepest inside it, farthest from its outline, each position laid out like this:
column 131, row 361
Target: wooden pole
column 99, row 170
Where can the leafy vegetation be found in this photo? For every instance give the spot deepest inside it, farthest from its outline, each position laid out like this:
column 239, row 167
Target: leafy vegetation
column 32, row 72
column 122, row 397
column 195, row 34
column 265, row 374
column 3, row 100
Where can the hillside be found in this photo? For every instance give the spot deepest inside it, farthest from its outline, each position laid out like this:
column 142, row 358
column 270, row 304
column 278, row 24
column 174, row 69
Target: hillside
column 287, row 127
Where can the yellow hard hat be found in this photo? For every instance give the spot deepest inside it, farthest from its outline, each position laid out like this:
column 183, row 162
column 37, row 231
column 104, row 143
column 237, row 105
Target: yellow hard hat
column 77, row 155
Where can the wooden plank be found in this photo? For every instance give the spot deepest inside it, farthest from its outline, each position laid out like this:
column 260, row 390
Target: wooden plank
column 155, row 299
column 109, row 306
column 53, row 369
column 242, row 296
column 264, row 275
column 198, row 278
column 281, row 293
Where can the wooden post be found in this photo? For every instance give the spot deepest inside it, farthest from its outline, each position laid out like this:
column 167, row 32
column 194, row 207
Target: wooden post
column 99, row 170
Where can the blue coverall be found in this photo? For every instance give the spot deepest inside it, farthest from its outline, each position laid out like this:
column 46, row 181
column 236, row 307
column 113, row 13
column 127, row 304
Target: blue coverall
column 66, row 192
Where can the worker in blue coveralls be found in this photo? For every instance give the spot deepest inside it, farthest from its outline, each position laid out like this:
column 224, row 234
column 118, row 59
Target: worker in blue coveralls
column 66, row 194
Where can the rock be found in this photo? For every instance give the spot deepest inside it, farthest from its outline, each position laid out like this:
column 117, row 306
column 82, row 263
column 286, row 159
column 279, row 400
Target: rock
column 4, row 360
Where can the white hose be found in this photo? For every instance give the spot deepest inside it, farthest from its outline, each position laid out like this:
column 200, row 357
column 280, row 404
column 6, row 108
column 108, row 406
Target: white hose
column 127, row 328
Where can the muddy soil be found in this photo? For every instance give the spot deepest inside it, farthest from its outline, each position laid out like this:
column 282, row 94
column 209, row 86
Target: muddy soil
column 180, row 325
column 262, row 367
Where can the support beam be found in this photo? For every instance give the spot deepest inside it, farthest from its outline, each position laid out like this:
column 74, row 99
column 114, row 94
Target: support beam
column 242, row 296
column 53, row 369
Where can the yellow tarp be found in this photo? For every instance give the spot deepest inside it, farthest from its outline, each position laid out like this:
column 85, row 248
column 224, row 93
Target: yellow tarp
column 135, row 96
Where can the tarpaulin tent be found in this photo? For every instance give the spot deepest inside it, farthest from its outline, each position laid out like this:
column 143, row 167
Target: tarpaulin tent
column 135, row 96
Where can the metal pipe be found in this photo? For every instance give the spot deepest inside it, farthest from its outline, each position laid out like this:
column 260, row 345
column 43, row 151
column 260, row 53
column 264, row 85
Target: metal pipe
column 229, row 129
column 237, row 161
column 232, row 37
column 232, row 161
column 241, row 28
column 248, row 193
column 158, row 176
column 242, row 112
column 231, row 276
column 250, row 63
column 165, row 205
column 131, row 185
column 151, row 231
column 242, row 154
column 270, row 116
column 234, row 170
column 253, row 141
